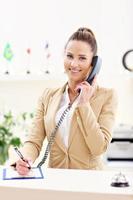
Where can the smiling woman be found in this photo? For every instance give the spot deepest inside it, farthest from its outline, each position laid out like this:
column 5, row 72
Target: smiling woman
column 77, row 61
column 81, row 123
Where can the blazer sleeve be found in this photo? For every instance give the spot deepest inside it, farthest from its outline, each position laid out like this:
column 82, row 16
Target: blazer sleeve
column 34, row 141
column 98, row 132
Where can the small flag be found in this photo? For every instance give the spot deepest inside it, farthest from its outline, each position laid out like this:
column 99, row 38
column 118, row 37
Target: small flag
column 46, row 45
column 8, row 54
column 28, row 51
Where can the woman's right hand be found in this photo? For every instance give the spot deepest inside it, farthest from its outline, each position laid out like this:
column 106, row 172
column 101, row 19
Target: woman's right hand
column 23, row 167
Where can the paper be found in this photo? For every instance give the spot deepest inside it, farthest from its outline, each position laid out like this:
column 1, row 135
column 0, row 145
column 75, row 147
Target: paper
column 34, row 173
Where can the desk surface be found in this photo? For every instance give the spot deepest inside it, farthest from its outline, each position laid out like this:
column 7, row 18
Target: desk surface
column 64, row 184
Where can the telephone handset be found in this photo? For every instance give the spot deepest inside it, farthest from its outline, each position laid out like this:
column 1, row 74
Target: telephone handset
column 96, row 64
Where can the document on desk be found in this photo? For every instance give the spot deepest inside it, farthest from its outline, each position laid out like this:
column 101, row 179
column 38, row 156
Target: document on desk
column 11, row 174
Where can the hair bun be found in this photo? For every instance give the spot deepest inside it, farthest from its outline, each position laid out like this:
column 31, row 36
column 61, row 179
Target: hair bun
column 83, row 29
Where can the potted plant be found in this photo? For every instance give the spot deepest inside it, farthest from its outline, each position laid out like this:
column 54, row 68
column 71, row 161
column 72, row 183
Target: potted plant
column 7, row 137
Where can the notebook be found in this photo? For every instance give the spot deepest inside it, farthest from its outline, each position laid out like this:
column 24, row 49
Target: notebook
column 10, row 174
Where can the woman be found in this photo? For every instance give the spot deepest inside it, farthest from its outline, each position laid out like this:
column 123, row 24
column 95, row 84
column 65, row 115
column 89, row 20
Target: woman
column 86, row 130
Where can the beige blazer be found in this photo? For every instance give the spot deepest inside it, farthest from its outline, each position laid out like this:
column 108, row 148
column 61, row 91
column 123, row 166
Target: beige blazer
column 90, row 131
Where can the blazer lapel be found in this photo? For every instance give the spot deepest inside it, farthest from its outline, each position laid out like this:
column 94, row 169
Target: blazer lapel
column 74, row 124
column 53, row 107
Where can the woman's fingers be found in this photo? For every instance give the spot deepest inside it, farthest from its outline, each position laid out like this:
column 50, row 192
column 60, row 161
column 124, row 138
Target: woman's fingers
column 22, row 167
column 94, row 81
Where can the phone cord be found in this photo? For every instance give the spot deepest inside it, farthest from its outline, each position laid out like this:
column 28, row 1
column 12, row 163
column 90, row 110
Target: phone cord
column 53, row 134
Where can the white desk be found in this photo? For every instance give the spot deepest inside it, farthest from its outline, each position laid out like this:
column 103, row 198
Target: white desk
column 67, row 184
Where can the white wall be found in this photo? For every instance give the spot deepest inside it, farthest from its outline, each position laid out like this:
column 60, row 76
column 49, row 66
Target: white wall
column 29, row 23
column 23, row 95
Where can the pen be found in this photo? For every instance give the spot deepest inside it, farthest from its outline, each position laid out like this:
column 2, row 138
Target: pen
column 21, row 156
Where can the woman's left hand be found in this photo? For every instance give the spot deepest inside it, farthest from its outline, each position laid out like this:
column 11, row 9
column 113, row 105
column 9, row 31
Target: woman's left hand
column 87, row 90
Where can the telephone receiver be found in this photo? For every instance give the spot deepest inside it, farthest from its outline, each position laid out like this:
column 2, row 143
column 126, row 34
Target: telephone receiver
column 96, row 65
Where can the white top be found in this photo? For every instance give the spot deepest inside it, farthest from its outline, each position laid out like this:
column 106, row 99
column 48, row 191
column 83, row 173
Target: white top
column 65, row 126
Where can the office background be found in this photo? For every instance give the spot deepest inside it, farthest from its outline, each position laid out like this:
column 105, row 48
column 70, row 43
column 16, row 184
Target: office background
column 32, row 38
column 32, row 24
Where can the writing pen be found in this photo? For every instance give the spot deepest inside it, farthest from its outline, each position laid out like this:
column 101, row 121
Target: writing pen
column 21, row 156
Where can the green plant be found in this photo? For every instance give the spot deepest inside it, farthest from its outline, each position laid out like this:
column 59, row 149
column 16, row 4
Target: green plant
column 7, row 137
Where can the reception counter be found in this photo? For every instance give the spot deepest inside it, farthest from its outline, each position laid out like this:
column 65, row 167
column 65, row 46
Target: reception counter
column 63, row 184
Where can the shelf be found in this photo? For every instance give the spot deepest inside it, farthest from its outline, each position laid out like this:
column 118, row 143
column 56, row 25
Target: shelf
column 33, row 77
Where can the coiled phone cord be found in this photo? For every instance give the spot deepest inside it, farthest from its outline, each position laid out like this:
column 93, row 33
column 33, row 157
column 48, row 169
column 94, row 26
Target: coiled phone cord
column 53, row 134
